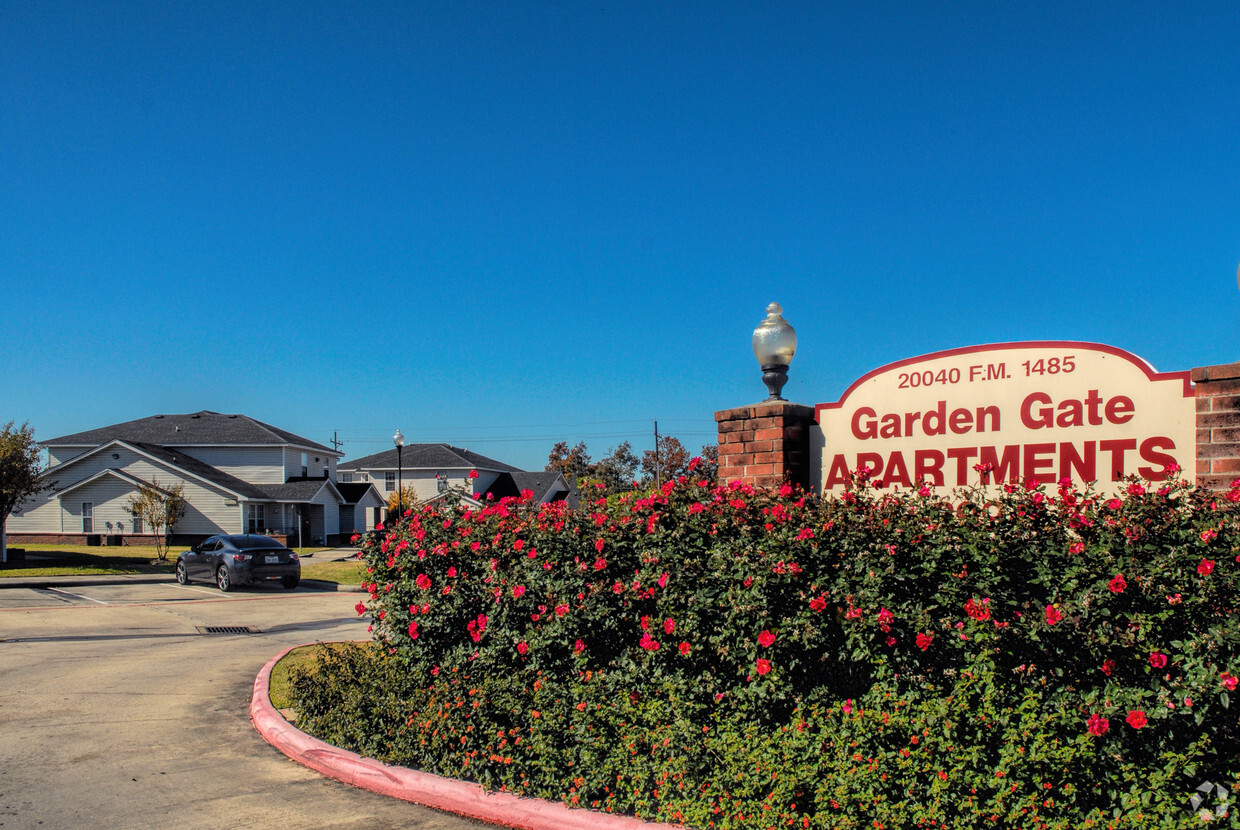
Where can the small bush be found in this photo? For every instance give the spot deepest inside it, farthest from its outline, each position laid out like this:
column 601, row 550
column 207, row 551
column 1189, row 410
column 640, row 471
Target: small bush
column 729, row 658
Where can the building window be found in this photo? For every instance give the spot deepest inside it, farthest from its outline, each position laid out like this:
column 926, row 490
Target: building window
column 137, row 524
column 255, row 520
column 441, row 481
column 88, row 517
column 346, row 478
column 389, row 482
column 305, row 466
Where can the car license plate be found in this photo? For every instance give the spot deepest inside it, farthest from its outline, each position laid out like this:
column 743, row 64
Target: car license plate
column 272, row 560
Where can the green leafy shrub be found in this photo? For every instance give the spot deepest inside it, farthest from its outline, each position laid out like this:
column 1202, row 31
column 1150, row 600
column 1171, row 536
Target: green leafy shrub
column 729, row 658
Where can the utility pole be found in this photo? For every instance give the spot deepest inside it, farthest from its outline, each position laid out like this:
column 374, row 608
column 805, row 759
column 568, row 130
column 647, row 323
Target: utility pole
column 335, row 442
column 658, row 465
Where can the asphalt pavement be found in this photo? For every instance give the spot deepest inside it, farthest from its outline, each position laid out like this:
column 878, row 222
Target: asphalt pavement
column 118, row 710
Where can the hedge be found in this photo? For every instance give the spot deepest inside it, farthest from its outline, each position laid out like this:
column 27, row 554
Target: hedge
column 1015, row 656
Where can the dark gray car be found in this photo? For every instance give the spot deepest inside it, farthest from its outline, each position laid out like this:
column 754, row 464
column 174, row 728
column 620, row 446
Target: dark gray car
column 239, row 560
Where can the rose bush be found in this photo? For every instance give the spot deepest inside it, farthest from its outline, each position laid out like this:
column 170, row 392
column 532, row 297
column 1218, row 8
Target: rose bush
column 1023, row 655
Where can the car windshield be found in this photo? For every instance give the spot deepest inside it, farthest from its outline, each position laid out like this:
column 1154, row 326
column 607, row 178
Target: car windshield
column 252, row 542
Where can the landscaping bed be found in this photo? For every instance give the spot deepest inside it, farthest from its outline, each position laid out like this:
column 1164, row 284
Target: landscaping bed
column 1025, row 656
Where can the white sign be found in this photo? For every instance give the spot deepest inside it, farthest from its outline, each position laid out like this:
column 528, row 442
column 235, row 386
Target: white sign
column 1040, row 411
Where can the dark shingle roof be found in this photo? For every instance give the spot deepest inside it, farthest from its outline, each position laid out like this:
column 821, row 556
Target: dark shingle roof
column 197, row 428
column 353, row 491
column 539, row 482
column 428, row 456
column 198, row 468
column 296, row 491
column 511, row 484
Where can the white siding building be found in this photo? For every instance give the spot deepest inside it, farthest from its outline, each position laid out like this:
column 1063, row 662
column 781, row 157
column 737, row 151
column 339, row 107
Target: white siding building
column 240, row 476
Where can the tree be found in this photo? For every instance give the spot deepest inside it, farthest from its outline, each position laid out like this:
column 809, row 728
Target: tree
column 669, row 460
column 405, row 498
column 574, row 463
column 160, row 508
column 21, row 474
column 617, row 469
column 709, row 468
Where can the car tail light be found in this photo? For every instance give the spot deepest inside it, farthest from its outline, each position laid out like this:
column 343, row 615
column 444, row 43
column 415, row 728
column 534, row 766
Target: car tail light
column 241, row 557
column 292, row 557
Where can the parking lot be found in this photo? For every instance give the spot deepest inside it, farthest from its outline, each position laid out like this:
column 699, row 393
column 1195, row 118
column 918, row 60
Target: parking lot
column 120, row 708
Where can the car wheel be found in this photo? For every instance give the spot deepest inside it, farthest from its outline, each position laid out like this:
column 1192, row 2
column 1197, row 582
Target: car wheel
column 182, row 574
column 290, row 582
column 222, row 579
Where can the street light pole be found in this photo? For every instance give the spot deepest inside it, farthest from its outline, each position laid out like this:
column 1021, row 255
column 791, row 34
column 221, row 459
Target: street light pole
column 399, row 441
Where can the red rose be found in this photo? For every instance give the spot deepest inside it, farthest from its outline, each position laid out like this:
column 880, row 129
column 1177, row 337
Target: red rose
column 1097, row 725
column 1117, row 585
column 1136, row 719
column 818, row 604
column 1052, row 615
column 522, row 648
column 413, row 631
column 1206, row 567
column 684, row 648
column 765, row 639
column 669, row 625
column 1158, row 660
column 423, row 581
column 764, row 666
column 924, row 641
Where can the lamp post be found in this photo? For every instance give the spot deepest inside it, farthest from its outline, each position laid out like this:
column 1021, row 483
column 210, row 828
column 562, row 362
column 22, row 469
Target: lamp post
column 399, row 441
column 774, row 344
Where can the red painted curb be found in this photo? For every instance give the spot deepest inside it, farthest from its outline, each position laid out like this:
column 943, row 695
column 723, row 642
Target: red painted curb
column 448, row 794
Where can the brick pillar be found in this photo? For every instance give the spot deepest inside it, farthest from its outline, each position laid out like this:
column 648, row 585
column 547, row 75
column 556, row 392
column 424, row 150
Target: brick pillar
column 1217, row 390
column 765, row 445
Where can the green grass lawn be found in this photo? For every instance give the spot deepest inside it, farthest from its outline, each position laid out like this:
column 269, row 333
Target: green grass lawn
column 343, row 573
column 79, row 560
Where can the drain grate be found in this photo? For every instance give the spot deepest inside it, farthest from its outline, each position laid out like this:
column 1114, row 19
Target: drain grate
column 227, row 629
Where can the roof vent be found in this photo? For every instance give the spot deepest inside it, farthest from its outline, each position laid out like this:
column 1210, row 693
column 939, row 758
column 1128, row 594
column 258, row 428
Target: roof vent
column 159, row 416
column 197, row 415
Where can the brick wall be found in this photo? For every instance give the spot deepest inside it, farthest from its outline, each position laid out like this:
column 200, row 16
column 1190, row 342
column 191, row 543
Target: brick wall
column 766, row 444
column 1218, row 424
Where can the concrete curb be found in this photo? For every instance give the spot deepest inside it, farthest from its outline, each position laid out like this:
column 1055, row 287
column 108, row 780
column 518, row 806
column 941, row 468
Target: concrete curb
column 459, row 797
column 320, row 585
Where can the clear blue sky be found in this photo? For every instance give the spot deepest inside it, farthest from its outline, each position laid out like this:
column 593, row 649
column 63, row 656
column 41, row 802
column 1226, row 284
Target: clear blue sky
column 505, row 224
